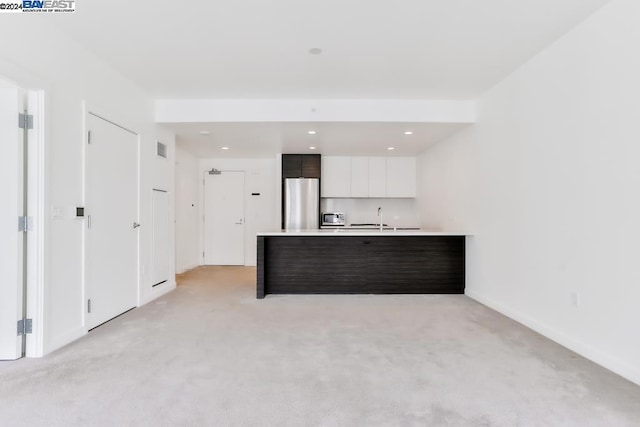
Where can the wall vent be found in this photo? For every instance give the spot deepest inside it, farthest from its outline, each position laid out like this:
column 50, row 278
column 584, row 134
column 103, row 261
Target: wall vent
column 161, row 149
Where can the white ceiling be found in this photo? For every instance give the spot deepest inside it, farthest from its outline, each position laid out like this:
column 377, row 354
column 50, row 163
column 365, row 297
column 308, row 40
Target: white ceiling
column 372, row 49
column 438, row 49
column 333, row 139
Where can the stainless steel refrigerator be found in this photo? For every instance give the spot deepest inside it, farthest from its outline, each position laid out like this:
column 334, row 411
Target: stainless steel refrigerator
column 301, row 203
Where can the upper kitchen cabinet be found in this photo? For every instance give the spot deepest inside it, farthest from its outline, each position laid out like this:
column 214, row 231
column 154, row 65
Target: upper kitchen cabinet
column 301, row 166
column 336, row 177
column 372, row 177
column 377, row 177
column 359, row 176
column 401, row 177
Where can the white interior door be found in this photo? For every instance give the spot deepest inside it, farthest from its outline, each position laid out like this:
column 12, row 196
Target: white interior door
column 161, row 241
column 11, row 207
column 224, row 219
column 112, row 216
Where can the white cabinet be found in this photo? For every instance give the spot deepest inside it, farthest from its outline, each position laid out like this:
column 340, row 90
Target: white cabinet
column 401, row 177
column 377, row 177
column 336, row 176
column 359, row 176
column 374, row 177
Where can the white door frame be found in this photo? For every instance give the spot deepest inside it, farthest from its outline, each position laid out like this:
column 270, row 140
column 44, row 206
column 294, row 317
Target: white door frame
column 34, row 291
column 87, row 111
column 36, row 267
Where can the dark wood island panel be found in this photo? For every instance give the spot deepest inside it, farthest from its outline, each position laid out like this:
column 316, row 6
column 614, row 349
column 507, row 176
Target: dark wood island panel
column 360, row 265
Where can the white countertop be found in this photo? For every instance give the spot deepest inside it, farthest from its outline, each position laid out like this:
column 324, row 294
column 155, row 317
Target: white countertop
column 357, row 232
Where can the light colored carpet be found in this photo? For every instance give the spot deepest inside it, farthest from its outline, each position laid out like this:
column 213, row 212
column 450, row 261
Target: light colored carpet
column 211, row 354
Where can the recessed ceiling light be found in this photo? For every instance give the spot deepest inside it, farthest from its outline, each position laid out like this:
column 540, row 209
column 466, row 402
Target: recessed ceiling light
column 225, row 148
column 312, row 148
column 315, row 51
column 408, row 132
column 312, row 132
column 391, row 148
column 205, row 132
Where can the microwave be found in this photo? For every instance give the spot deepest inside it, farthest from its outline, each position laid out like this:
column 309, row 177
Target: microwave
column 333, row 218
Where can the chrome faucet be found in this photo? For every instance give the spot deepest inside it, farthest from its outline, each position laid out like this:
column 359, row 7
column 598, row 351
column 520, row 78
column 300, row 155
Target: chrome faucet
column 380, row 215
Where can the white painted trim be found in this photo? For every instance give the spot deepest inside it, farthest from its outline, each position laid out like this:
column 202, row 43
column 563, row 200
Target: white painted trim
column 36, row 207
column 140, row 275
column 66, row 338
column 190, row 267
column 315, row 110
column 159, row 291
column 84, row 136
column 632, row 373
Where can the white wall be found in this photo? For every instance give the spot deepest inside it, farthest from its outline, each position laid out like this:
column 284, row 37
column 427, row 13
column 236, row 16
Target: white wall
column 261, row 212
column 548, row 181
column 73, row 77
column 187, row 211
column 395, row 212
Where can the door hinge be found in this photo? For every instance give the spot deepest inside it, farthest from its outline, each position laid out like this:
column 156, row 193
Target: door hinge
column 89, row 137
column 25, row 223
column 25, row 326
column 88, row 306
column 202, row 254
column 25, row 121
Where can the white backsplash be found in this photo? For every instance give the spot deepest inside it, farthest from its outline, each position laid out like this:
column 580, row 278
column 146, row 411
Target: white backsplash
column 395, row 212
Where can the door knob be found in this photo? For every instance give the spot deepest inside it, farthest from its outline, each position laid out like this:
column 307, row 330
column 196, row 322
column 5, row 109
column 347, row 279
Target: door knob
column 136, row 225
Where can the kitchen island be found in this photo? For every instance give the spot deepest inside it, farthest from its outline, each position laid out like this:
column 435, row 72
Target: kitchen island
column 347, row 261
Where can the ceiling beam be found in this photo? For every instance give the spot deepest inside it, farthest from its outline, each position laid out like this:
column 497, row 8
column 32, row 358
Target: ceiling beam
column 314, row 110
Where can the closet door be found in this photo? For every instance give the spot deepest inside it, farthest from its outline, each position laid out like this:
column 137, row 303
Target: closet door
column 161, row 238
column 112, row 221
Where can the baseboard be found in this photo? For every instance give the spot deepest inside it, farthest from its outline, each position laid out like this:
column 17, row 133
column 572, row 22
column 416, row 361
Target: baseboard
column 61, row 340
column 158, row 291
column 603, row 359
column 183, row 270
column 74, row 334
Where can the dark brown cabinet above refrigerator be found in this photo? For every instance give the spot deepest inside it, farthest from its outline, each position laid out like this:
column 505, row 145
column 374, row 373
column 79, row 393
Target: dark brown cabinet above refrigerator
column 301, row 166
